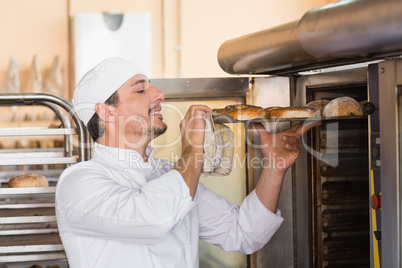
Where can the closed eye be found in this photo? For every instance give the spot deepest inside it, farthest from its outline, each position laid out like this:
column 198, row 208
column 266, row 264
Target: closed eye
column 140, row 86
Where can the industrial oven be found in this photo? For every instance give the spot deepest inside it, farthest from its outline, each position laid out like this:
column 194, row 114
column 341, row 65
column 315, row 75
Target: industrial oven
column 342, row 206
column 341, row 200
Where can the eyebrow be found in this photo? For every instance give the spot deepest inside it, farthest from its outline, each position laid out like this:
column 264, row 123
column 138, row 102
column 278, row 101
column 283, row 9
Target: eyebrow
column 139, row 82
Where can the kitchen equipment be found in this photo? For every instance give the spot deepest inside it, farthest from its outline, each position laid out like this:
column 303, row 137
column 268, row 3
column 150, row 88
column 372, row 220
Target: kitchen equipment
column 28, row 228
column 348, row 169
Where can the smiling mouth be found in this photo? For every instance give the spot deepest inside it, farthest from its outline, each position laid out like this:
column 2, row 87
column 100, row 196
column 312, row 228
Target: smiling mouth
column 155, row 110
column 154, row 113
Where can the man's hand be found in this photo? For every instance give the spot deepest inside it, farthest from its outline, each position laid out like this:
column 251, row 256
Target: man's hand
column 283, row 148
column 280, row 152
column 192, row 129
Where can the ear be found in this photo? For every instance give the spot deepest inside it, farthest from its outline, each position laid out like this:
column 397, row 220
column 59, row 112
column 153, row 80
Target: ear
column 105, row 112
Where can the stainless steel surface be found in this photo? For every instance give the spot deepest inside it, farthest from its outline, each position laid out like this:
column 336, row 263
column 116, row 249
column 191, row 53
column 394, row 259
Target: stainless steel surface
column 39, row 159
column 28, row 226
column 33, row 131
column 27, row 190
column 357, row 29
column 28, row 219
column 263, row 52
column 339, row 33
column 34, row 157
column 50, row 101
column 181, row 88
column 279, row 252
column 390, row 84
column 28, row 231
column 374, row 160
column 31, row 248
column 33, row 257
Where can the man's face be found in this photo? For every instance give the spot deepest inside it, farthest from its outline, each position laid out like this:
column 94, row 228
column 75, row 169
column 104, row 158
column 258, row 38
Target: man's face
column 138, row 111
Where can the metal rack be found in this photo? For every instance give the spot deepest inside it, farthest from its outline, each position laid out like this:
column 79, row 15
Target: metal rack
column 28, row 227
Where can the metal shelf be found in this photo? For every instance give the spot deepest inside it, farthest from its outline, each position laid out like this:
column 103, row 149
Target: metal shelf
column 26, row 191
column 36, row 131
column 39, row 161
column 33, row 235
column 32, row 257
column 35, row 158
column 28, row 224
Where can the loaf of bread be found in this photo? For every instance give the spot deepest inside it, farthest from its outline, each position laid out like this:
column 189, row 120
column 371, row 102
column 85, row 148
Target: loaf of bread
column 28, row 180
column 319, row 105
column 242, row 112
column 290, row 112
column 342, row 106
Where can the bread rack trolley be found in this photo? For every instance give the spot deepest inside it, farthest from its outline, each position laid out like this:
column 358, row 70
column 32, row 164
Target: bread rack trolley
column 28, row 227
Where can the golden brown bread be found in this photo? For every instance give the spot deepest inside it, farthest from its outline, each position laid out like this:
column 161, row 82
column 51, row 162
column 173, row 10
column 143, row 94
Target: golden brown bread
column 290, row 112
column 28, row 180
column 249, row 112
column 319, row 105
column 342, row 106
column 242, row 111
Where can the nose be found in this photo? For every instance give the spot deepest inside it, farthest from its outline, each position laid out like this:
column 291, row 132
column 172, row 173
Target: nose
column 157, row 95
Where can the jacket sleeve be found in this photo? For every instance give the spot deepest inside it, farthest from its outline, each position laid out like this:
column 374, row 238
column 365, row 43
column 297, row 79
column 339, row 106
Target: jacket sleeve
column 246, row 228
column 89, row 203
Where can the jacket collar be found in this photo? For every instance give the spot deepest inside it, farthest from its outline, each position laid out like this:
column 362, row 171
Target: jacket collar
column 125, row 157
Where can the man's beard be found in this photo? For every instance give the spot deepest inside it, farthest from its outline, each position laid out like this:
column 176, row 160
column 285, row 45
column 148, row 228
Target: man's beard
column 145, row 130
column 155, row 132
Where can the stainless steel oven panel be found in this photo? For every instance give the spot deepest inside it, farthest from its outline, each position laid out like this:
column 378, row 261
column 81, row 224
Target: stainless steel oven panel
column 279, row 252
column 390, row 85
column 181, row 88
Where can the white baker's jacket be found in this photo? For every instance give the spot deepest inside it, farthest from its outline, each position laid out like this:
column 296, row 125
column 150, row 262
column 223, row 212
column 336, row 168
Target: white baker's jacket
column 116, row 210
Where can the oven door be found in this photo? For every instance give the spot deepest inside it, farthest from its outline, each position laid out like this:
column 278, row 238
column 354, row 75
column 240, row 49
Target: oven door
column 332, row 176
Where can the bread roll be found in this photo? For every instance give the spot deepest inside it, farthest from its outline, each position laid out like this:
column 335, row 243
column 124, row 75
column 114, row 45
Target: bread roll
column 242, row 111
column 290, row 112
column 319, row 105
column 28, row 180
column 342, row 106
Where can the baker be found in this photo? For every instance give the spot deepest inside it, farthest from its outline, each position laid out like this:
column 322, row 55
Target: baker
column 125, row 208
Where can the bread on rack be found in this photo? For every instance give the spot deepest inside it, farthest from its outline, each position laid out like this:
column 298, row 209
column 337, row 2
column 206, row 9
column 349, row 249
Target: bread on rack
column 249, row 112
column 319, row 105
column 28, row 180
column 242, row 111
column 290, row 112
column 342, row 106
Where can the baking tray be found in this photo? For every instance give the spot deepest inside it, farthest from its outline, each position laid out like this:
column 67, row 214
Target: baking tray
column 230, row 119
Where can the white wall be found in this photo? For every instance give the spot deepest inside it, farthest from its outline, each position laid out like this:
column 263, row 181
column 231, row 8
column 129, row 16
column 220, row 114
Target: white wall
column 42, row 27
column 206, row 24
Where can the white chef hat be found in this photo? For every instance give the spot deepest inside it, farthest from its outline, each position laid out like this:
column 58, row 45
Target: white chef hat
column 98, row 84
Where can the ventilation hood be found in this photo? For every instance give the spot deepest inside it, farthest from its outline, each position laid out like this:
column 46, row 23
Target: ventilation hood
column 341, row 33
